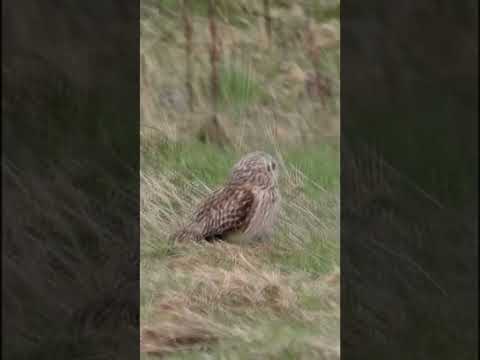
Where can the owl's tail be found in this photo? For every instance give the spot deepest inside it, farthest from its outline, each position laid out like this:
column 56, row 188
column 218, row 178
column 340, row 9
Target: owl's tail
column 188, row 233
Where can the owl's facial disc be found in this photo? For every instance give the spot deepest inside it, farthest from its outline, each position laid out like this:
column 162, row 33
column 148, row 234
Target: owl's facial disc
column 274, row 170
column 271, row 166
column 255, row 166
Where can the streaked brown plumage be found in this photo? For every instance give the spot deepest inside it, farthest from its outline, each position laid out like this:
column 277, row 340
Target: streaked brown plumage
column 247, row 204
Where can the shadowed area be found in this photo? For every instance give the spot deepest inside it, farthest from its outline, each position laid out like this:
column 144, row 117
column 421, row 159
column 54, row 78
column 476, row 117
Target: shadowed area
column 69, row 179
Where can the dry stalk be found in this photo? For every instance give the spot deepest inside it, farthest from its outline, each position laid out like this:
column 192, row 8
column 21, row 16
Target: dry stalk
column 318, row 85
column 188, row 31
column 268, row 21
column 213, row 131
column 214, row 57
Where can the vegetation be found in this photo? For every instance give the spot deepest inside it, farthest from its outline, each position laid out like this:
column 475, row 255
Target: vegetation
column 274, row 300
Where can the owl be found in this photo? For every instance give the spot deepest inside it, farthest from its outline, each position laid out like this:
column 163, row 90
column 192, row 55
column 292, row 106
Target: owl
column 247, row 205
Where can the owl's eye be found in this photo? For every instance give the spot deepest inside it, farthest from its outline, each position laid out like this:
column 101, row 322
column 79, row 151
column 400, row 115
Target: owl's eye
column 273, row 165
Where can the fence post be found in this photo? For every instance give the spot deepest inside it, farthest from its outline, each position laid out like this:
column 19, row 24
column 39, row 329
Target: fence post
column 214, row 57
column 188, row 31
column 268, row 21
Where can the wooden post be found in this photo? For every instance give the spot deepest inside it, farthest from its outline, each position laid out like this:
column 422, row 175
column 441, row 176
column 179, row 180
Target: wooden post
column 214, row 57
column 188, row 30
column 213, row 131
column 268, row 21
column 319, row 85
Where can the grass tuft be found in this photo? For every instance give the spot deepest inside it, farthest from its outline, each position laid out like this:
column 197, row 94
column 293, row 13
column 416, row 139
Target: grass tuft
column 238, row 86
column 227, row 299
column 278, row 299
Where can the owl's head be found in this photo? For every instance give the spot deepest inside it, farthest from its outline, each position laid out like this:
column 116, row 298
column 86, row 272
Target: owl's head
column 257, row 168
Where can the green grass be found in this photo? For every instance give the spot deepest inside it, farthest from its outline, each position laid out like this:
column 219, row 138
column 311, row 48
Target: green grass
column 322, row 13
column 269, row 300
column 304, row 250
column 238, row 86
column 285, row 341
column 234, row 11
column 194, row 160
column 319, row 163
column 316, row 257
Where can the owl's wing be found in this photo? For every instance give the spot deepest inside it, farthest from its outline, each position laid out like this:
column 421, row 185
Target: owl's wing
column 225, row 211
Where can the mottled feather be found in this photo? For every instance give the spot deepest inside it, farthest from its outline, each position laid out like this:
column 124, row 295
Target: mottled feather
column 247, row 204
column 226, row 211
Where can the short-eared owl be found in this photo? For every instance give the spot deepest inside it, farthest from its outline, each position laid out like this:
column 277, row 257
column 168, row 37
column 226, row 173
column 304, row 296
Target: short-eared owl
column 246, row 205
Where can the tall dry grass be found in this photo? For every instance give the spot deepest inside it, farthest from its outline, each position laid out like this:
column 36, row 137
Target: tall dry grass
column 272, row 300
column 202, row 297
column 283, row 71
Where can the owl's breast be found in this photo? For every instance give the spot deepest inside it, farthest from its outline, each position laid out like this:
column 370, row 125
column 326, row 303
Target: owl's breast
column 265, row 213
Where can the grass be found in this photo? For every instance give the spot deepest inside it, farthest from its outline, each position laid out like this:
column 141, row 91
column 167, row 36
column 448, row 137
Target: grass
column 324, row 10
column 238, row 86
column 261, row 83
column 277, row 299
column 206, row 162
